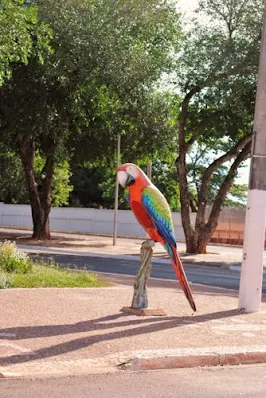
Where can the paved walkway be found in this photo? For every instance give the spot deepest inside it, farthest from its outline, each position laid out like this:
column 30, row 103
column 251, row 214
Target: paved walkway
column 71, row 331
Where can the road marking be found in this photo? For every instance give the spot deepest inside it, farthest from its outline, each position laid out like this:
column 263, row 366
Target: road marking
column 241, row 328
column 8, row 335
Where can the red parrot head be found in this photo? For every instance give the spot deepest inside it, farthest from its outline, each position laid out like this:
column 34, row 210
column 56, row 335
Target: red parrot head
column 129, row 173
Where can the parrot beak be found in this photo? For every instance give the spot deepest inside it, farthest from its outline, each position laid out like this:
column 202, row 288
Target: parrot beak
column 121, row 168
column 124, row 178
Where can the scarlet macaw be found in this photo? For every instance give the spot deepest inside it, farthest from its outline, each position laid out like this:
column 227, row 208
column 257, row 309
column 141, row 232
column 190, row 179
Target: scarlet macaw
column 153, row 213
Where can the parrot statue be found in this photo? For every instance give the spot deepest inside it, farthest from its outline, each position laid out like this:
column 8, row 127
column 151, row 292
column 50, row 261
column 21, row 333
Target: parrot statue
column 153, row 213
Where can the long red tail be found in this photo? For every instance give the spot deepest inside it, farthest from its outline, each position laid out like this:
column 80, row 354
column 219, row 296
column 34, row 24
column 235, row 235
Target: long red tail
column 181, row 276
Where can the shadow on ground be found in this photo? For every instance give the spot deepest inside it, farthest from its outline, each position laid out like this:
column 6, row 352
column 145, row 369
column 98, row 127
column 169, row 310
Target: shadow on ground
column 104, row 323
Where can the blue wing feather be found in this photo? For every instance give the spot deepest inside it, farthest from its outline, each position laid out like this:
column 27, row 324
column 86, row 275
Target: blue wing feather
column 163, row 226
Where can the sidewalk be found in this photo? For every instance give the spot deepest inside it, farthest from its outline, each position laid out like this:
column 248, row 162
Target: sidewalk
column 48, row 332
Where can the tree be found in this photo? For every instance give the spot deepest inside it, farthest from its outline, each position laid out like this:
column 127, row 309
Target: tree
column 90, row 183
column 203, row 154
column 13, row 188
column 218, row 70
column 105, row 54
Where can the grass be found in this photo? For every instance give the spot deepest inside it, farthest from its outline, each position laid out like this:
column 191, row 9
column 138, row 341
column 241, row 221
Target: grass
column 19, row 270
column 46, row 276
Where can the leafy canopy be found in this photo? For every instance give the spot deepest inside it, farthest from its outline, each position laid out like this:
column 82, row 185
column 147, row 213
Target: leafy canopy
column 22, row 35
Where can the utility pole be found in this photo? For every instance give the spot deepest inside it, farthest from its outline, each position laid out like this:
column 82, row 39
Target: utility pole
column 252, row 265
column 149, row 169
column 116, row 191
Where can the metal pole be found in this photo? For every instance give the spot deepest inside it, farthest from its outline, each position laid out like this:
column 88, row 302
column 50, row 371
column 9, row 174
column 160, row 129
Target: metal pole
column 116, row 191
column 149, row 170
column 252, row 265
column 230, row 228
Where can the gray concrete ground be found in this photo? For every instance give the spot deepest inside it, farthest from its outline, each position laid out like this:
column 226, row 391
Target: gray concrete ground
column 220, row 382
column 74, row 331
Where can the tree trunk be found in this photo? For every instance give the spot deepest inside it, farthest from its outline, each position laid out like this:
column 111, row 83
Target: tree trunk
column 203, row 231
column 41, row 226
column 39, row 196
column 197, row 243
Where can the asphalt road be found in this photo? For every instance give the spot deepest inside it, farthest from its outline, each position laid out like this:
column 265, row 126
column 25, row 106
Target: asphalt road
column 205, row 275
column 219, row 382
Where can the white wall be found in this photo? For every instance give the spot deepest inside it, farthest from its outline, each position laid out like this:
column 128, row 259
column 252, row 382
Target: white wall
column 93, row 221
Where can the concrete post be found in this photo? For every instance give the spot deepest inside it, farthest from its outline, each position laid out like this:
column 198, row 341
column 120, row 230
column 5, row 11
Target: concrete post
column 140, row 297
column 1, row 211
column 252, row 265
column 139, row 304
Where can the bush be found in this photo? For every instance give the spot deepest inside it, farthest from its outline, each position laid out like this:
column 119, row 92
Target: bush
column 17, row 269
column 12, row 260
column 6, row 280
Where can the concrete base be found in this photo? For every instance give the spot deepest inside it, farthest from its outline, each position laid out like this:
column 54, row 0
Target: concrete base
column 144, row 311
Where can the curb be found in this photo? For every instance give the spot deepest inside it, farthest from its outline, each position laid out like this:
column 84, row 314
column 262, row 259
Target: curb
column 190, row 358
column 142, row 360
column 128, row 257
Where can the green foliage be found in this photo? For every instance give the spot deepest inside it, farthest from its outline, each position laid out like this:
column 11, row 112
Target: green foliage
column 22, row 35
column 149, row 135
column 103, row 77
column 6, row 280
column 94, row 186
column 223, row 45
column 116, row 69
column 12, row 260
column 61, row 187
column 203, row 154
column 219, row 58
column 164, row 177
column 13, row 187
column 12, row 183
column 142, row 119
column 99, row 80
column 237, row 196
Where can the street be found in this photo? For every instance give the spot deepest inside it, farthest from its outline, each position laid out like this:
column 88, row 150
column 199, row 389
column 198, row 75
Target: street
column 205, row 275
column 219, row 382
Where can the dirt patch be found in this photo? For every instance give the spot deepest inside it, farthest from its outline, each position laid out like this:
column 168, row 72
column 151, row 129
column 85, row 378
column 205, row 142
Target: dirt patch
column 54, row 241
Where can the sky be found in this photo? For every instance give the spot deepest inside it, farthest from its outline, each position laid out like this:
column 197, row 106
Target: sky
column 187, row 5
